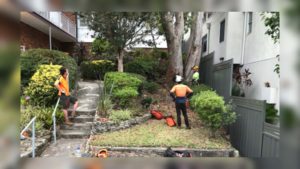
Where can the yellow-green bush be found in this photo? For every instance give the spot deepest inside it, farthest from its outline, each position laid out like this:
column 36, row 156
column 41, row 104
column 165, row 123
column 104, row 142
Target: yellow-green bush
column 32, row 58
column 96, row 69
column 41, row 88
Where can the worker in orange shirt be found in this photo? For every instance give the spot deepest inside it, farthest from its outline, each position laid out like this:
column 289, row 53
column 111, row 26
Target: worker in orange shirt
column 180, row 93
column 62, row 85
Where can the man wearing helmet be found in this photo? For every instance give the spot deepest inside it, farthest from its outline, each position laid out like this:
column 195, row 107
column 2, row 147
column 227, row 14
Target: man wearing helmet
column 180, row 93
column 195, row 78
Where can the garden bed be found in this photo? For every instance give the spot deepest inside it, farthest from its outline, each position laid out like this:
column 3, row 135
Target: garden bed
column 156, row 133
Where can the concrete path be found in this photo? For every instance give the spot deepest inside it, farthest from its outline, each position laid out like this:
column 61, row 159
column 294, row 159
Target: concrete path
column 72, row 137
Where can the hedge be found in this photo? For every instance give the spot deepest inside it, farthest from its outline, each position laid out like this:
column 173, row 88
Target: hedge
column 32, row 58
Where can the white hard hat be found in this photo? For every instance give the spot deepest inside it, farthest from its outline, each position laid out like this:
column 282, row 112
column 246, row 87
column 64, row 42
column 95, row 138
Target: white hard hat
column 178, row 78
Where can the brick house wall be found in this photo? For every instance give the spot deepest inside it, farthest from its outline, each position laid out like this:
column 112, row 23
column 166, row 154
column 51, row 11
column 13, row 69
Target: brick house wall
column 71, row 16
column 33, row 38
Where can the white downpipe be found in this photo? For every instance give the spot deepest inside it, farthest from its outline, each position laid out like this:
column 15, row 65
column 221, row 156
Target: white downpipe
column 50, row 38
column 244, row 38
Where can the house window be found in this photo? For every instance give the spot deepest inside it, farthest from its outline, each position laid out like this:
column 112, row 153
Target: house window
column 22, row 48
column 83, row 22
column 250, row 21
column 204, row 43
column 204, row 16
column 222, row 31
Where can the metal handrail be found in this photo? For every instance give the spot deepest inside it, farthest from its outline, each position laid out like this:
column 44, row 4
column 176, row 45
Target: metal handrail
column 32, row 122
column 54, row 120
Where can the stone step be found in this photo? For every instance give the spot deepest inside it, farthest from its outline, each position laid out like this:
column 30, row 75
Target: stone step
column 82, row 119
column 82, row 112
column 77, row 126
column 71, row 134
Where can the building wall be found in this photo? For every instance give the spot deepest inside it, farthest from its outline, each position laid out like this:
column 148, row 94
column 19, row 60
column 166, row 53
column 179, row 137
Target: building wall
column 214, row 35
column 259, row 46
column 235, row 33
column 262, row 71
column 71, row 16
column 33, row 38
column 260, row 51
column 260, row 58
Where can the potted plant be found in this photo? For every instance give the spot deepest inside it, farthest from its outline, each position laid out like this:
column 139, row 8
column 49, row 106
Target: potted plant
column 241, row 81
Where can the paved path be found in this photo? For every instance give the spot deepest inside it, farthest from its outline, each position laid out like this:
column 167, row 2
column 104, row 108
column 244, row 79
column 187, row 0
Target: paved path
column 75, row 136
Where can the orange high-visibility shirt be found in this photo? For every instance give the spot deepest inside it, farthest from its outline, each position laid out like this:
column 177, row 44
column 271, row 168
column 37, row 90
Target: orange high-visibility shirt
column 181, row 90
column 63, row 85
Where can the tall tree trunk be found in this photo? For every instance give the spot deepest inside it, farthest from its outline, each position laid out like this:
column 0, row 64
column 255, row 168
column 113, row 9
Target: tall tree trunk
column 174, row 35
column 195, row 45
column 120, row 61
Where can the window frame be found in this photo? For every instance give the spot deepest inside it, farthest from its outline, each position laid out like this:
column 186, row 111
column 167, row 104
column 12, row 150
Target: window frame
column 249, row 22
column 222, row 36
column 205, row 37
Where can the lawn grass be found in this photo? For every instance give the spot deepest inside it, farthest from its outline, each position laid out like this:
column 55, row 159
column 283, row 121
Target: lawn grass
column 155, row 133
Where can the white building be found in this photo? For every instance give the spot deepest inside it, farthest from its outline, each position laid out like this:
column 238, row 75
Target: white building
column 241, row 36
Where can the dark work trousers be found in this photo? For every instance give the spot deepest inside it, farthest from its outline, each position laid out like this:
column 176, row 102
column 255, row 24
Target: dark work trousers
column 181, row 107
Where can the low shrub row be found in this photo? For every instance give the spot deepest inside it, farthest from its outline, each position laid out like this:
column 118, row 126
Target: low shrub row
column 43, row 115
column 96, row 69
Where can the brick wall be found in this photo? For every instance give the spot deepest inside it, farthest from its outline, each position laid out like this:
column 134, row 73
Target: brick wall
column 33, row 38
column 71, row 15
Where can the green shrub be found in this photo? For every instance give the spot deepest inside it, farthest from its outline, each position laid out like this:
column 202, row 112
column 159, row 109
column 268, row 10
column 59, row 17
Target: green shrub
column 32, row 58
column 144, row 66
column 120, row 115
column 120, row 80
column 200, row 88
column 212, row 110
column 150, row 87
column 41, row 88
column 43, row 115
column 96, row 69
column 271, row 113
column 125, row 95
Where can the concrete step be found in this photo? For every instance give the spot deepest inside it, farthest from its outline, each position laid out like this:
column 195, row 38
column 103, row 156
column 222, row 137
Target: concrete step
column 72, row 134
column 82, row 119
column 77, row 126
column 82, row 112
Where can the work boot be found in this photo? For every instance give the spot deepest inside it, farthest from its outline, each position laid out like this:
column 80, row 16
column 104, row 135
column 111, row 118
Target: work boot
column 188, row 127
